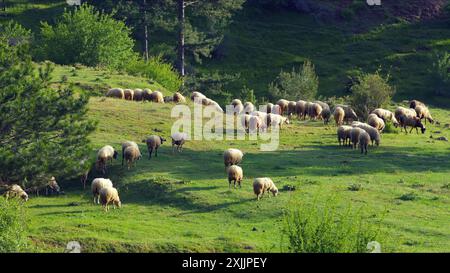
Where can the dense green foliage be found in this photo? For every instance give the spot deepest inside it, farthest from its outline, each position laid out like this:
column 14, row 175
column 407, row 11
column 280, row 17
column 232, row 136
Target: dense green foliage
column 43, row 131
column 441, row 68
column 12, row 225
column 325, row 228
column 296, row 85
column 369, row 92
column 88, row 37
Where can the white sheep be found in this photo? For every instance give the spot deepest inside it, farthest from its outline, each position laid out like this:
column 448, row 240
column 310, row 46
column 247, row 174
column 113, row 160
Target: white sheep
column 116, row 93
column 364, row 140
column 355, row 132
column 343, row 134
column 132, row 154
column 109, row 195
column 153, row 143
column 125, row 145
column 235, row 174
column 424, row 113
column 373, row 133
column 16, row 191
column 262, row 185
column 376, row 122
column 300, row 108
column 385, row 115
column 105, row 154
column 232, row 156
column 248, row 107
column 178, row 139
column 97, row 185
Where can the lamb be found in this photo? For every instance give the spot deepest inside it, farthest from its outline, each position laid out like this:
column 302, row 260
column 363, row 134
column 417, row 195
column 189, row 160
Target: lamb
column 197, row 96
column 314, row 111
column 248, row 107
column 116, row 93
column 339, row 115
column 276, row 120
column 232, row 157
column 364, row 140
column 97, row 185
column 178, row 98
column 157, row 97
column 373, row 133
column 343, row 134
column 128, row 94
column 355, row 132
column 300, row 108
column 104, row 154
column 376, row 122
column 414, row 103
column 262, row 185
column 291, row 108
column 132, row 154
column 138, row 94
column 414, row 122
column 109, row 195
column 385, row 115
column 423, row 113
column 235, row 174
column 125, row 145
column 16, row 191
column 283, row 106
column 153, row 143
column 178, row 139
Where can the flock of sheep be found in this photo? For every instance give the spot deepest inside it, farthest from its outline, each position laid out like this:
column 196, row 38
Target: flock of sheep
column 352, row 134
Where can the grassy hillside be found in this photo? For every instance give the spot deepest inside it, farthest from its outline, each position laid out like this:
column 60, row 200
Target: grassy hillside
column 182, row 202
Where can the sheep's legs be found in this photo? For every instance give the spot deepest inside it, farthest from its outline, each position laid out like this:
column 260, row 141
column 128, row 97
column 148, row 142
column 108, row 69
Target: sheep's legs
column 156, row 152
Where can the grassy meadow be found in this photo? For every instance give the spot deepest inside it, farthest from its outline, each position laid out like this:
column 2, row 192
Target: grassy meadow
column 182, row 203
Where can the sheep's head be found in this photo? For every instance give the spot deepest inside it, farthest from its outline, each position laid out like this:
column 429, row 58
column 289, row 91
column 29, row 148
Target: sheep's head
column 118, row 203
column 115, row 154
column 274, row 191
column 24, row 196
column 162, row 139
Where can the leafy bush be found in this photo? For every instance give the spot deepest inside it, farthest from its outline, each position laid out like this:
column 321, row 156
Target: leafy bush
column 14, row 34
column 369, row 92
column 248, row 94
column 157, row 70
column 12, row 225
column 326, row 229
column 441, row 68
column 88, row 37
column 296, row 85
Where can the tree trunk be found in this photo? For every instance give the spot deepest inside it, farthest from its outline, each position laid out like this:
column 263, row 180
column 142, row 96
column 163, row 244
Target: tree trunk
column 181, row 37
column 145, row 31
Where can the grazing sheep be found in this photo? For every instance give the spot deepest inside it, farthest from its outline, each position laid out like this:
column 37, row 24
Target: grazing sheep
column 325, row 115
column 269, row 108
column 414, row 122
column 128, row 94
column 132, row 154
column 307, row 108
column 104, row 154
column 355, row 132
column 157, row 97
column 248, row 107
column 300, row 108
column 232, row 157
column 245, row 121
column 339, row 115
column 125, row 145
column 178, row 98
column 405, row 112
column 276, row 120
column 138, row 94
column 276, row 109
column 255, row 123
column 414, row 103
column 16, row 191
column 146, row 94
column 108, row 196
column 343, row 134
column 364, row 140
column 197, row 96
column 376, row 122
column 283, row 106
column 314, row 111
column 262, row 185
column 423, row 113
column 178, row 139
column 385, row 115
column 97, row 185
column 168, row 99
column 373, row 133
column 291, row 108
column 116, row 93
column 235, row 174
column 153, row 143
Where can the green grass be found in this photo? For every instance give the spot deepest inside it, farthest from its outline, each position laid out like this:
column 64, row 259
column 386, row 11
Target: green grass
column 181, row 203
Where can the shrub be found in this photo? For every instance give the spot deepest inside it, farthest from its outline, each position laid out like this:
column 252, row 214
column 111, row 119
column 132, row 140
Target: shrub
column 157, row 70
column 441, row 68
column 369, row 92
column 326, row 229
column 88, row 37
column 295, row 85
column 411, row 196
column 354, row 187
column 248, row 94
column 12, row 225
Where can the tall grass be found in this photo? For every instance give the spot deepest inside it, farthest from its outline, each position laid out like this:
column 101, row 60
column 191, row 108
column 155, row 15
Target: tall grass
column 12, row 226
column 315, row 228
